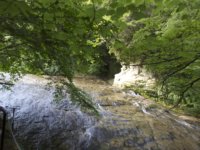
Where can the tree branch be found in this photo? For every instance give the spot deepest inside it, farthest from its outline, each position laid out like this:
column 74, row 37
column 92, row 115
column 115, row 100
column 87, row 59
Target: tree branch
column 94, row 12
column 179, row 69
column 12, row 46
column 188, row 86
column 156, row 63
column 6, row 83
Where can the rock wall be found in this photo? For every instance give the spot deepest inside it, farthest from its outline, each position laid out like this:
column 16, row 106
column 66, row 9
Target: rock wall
column 133, row 76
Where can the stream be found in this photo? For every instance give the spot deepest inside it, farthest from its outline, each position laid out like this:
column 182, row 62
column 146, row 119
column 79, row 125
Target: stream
column 127, row 120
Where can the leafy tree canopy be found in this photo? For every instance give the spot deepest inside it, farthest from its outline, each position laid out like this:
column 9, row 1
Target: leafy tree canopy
column 58, row 37
column 163, row 36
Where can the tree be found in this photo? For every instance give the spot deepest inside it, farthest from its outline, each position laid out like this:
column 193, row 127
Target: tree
column 164, row 37
column 58, row 37
column 46, row 36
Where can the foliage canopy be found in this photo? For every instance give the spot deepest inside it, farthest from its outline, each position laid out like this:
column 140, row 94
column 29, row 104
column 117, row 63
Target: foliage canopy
column 59, row 37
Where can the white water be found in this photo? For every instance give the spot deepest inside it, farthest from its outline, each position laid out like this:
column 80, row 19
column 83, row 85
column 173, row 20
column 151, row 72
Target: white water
column 39, row 121
column 43, row 124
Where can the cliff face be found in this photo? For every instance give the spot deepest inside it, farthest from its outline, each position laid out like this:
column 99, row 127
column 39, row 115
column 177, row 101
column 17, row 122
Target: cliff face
column 133, row 76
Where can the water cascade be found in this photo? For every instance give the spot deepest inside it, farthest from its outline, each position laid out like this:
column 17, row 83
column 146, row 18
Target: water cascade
column 127, row 120
column 39, row 121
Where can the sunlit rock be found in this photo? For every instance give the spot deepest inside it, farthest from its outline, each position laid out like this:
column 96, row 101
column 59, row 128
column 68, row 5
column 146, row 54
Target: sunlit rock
column 133, row 76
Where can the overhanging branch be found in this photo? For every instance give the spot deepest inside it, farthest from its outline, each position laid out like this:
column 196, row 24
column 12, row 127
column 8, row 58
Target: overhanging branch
column 6, row 83
column 157, row 63
column 179, row 69
column 187, row 87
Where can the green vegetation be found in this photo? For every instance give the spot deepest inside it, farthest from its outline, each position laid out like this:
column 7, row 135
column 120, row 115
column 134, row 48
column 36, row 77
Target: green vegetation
column 59, row 37
column 77, row 95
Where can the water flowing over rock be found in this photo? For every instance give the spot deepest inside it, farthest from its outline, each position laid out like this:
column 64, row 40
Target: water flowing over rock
column 127, row 120
column 40, row 122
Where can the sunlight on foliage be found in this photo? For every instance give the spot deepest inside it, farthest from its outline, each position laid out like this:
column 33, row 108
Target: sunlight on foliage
column 59, row 37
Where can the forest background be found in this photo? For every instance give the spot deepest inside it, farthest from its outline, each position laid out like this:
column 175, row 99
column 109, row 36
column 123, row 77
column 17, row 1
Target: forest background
column 63, row 37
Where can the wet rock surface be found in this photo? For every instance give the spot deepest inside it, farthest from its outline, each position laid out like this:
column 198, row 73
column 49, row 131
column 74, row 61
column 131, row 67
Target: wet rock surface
column 127, row 121
column 40, row 123
column 135, row 123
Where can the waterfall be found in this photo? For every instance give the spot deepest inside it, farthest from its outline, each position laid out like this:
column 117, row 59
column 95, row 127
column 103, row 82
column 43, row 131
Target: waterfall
column 39, row 121
column 126, row 119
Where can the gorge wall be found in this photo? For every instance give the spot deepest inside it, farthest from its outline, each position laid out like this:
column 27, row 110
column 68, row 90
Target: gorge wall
column 133, row 75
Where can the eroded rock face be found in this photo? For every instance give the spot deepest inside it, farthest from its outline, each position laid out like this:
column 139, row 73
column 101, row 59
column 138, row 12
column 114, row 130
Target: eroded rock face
column 39, row 121
column 133, row 75
column 127, row 120
column 132, row 122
